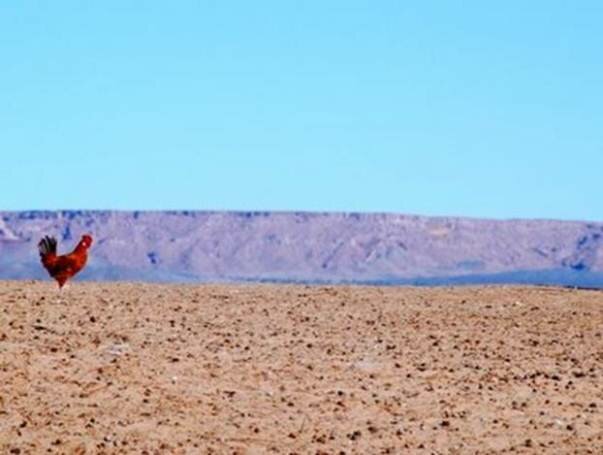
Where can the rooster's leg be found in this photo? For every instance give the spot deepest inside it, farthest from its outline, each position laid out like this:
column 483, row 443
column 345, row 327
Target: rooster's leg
column 59, row 295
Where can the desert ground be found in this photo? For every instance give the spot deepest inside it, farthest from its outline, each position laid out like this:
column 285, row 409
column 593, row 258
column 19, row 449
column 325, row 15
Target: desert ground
column 238, row 369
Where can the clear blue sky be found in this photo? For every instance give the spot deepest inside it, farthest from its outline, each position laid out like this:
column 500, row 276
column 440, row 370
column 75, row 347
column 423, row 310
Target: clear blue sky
column 488, row 109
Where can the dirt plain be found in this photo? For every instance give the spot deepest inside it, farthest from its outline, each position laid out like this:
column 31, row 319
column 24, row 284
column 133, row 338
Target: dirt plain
column 246, row 369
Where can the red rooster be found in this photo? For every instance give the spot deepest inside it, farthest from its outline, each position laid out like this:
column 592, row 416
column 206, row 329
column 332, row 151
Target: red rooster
column 61, row 268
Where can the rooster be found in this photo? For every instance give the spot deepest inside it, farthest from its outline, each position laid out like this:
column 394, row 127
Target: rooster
column 61, row 268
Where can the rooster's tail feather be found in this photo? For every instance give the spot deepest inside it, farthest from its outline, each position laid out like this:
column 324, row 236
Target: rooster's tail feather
column 48, row 245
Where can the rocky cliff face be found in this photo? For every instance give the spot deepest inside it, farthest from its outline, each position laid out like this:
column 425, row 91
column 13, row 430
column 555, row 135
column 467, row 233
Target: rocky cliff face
column 312, row 247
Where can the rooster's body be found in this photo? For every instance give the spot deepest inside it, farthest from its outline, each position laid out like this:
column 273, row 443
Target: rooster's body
column 62, row 268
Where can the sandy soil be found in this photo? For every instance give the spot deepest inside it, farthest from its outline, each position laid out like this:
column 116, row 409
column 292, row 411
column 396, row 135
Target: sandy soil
column 119, row 368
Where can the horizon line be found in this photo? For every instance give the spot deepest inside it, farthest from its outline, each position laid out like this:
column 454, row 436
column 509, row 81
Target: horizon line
column 184, row 211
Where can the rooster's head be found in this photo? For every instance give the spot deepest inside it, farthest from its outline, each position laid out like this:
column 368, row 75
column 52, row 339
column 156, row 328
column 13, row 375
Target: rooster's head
column 86, row 241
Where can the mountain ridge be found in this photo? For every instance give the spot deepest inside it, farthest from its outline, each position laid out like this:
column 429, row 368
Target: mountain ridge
column 309, row 247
